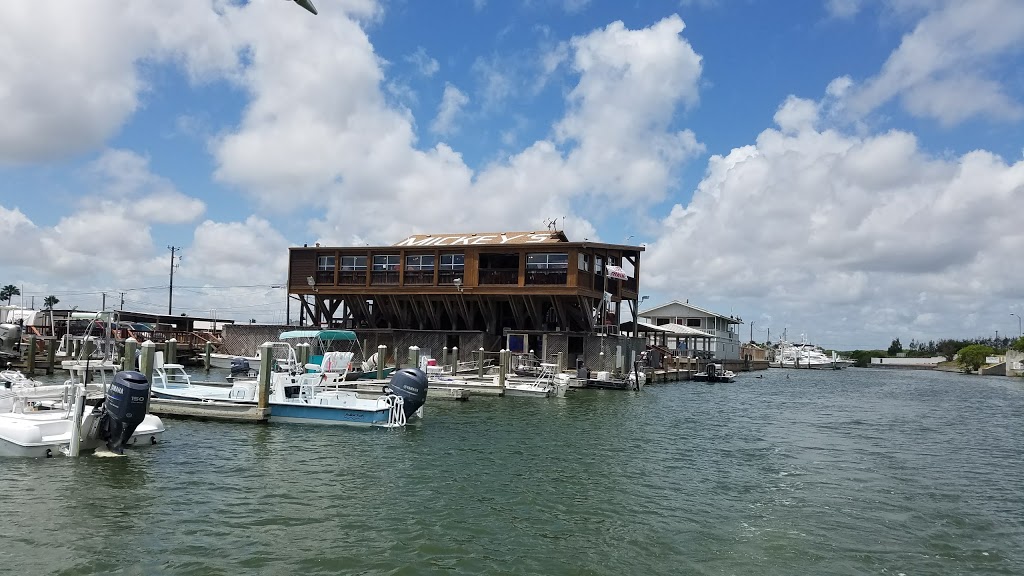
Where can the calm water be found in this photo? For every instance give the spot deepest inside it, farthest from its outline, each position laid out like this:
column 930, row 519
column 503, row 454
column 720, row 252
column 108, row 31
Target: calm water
column 852, row 472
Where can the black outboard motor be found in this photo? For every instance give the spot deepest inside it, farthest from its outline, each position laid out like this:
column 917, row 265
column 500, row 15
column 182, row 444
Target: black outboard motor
column 239, row 366
column 123, row 409
column 411, row 385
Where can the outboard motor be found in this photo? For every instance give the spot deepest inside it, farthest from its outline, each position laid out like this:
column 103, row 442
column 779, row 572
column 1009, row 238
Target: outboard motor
column 239, row 366
column 411, row 385
column 10, row 338
column 123, row 409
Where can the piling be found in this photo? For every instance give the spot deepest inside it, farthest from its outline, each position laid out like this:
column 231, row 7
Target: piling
column 414, row 356
column 382, row 354
column 130, row 346
column 208, row 349
column 172, row 352
column 444, row 356
column 148, row 356
column 455, row 360
column 266, row 357
column 502, row 363
column 30, row 364
column 561, row 362
column 51, row 351
column 480, row 363
column 302, row 356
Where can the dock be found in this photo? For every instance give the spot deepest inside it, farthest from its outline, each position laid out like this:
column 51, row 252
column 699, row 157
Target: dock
column 226, row 411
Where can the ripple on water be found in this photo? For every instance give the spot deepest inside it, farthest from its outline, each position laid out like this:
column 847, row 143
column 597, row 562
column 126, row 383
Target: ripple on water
column 853, row 472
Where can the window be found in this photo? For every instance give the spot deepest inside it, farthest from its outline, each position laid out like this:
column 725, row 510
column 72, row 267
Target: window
column 419, row 263
column 584, row 262
column 324, row 263
column 547, row 261
column 453, row 261
column 352, row 263
column 693, row 322
column 598, row 265
column 386, row 262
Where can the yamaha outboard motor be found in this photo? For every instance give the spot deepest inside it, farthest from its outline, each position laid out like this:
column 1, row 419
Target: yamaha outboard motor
column 411, row 385
column 123, row 409
column 239, row 366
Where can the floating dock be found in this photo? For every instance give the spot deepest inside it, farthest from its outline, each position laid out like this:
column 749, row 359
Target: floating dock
column 228, row 411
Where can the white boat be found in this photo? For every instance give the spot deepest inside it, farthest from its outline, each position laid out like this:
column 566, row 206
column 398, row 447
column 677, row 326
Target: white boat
column 544, row 385
column 171, row 382
column 46, row 421
column 807, row 356
column 302, row 398
column 714, row 373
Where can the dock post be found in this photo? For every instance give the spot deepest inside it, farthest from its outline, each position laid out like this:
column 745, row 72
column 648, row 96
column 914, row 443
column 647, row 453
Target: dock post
column 502, row 362
column 414, row 356
column 30, row 362
column 208, row 349
column 444, row 357
column 172, row 351
column 382, row 356
column 76, row 348
column 130, row 346
column 51, row 351
column 148, row 356
column 266, row 358
column 561, row 362
column 455, row 360
column 480, row 363
column 302, row 356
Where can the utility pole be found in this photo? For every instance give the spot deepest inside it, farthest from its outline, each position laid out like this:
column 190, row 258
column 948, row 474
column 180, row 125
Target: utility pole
column 104, row 306
column 33, row 305
column 751, row 331
column 170, row 288
column 122, row 301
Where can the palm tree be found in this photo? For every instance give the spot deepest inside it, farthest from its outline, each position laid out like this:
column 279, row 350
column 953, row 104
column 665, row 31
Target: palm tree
column 8, row 292
column 50, row 301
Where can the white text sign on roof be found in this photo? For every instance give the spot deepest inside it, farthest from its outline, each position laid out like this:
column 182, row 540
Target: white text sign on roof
column 483, row 239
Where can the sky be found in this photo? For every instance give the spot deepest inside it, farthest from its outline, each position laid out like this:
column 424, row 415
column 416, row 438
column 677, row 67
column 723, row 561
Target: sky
column 851, row 171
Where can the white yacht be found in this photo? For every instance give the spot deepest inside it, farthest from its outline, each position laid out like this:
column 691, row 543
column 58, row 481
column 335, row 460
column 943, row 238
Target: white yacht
column 807, row 356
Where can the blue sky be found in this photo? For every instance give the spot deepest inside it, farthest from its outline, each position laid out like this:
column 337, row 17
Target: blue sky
column 848, row 169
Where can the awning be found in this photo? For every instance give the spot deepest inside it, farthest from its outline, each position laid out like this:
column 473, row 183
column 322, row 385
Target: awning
column 674, row 329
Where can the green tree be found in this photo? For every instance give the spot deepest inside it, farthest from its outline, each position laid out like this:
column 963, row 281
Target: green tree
column 8, row 292
column 50, row 301
column 970, row 358
column 1018, row 345
column 895, row 348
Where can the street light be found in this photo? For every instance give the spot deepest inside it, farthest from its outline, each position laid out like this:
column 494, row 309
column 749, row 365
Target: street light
column 1019, row 331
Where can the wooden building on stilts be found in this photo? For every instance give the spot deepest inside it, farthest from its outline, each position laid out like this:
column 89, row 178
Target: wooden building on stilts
column 522, row 291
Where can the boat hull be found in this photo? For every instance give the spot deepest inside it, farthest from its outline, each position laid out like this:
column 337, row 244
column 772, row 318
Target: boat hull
column 312, row 414
column 41, row 437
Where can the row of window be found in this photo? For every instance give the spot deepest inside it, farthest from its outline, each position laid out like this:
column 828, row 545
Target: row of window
column 425, row 262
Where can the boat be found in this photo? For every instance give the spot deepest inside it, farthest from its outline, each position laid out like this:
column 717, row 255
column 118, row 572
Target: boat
column 714, row 373
column 45, row 421
column 544, row 385
column 602, row 380
column 807, row 356
column 235, row 362
column 171, row 382
column 300, row 397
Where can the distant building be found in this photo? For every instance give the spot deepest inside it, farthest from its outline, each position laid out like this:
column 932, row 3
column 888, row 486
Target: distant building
column 708, row 333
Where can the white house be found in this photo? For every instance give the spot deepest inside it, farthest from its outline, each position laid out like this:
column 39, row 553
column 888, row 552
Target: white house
column 724, row 340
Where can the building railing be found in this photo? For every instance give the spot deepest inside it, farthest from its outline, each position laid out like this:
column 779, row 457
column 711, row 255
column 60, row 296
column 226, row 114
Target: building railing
column 419, row 277
column 547, row 277
column 384, row 277
column 352, row 277
column 325, row 277
column 449, row 276
column 499, row 276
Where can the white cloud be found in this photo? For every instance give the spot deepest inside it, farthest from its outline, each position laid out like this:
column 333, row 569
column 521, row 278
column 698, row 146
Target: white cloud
column 947, row 67
column 82, row 81
column 817, row 225
column 250, row 252
column 843, row 8
column 451, row 105
column 424, row 64
column 125, row 176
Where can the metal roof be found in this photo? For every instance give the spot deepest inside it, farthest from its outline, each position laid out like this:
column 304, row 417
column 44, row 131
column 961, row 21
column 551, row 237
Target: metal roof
column 677, row 329
column 485, row 238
